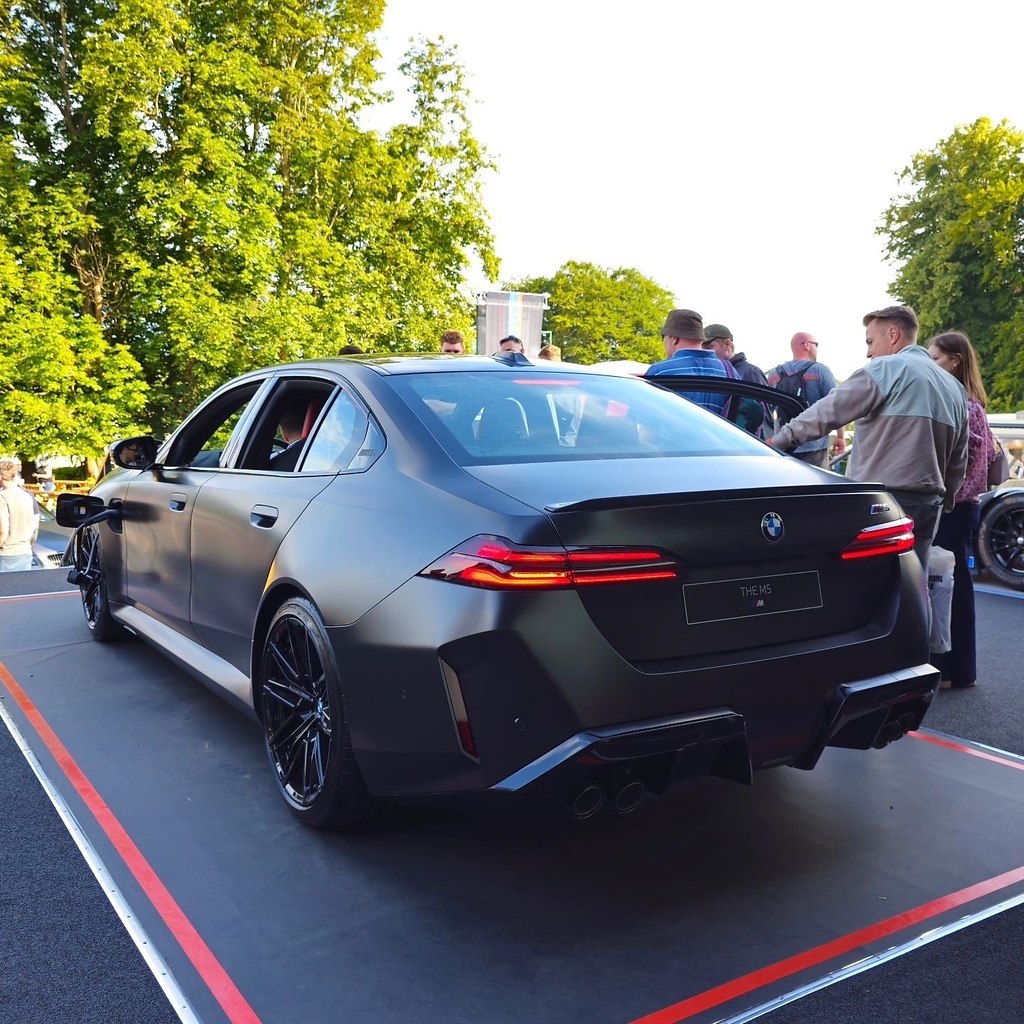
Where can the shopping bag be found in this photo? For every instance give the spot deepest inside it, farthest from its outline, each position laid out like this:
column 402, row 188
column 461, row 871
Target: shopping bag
column 940, row 595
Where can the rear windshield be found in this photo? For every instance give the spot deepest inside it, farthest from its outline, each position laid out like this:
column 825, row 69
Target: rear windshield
column 525, row 416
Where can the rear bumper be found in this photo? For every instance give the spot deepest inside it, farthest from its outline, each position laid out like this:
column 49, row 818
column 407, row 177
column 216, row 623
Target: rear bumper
column 866, row 713
column 875, row 712
column 548, row 700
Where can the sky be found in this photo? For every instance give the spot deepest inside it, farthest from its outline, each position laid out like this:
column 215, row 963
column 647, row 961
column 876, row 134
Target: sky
column 739, row 154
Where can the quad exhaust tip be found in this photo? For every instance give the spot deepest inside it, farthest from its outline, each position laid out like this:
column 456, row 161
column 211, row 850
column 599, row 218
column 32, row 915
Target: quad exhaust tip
column 592, row 797
column 587, row 802
column 628, row 798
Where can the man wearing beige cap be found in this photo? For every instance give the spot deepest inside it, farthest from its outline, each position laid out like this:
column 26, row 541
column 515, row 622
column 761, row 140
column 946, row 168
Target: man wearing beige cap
column 683, row 339
column 19, row 519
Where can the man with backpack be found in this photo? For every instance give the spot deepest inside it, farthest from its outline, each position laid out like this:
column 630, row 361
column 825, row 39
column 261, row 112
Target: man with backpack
column 806, row 378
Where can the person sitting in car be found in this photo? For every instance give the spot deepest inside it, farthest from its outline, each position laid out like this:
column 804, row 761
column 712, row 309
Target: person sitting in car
column 290, row 424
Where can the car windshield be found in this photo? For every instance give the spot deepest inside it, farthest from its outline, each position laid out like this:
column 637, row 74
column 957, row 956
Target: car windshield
column 538, row 416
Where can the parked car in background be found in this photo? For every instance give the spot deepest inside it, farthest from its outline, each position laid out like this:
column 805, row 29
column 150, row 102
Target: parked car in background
column 48, row 550
column 999, row 544
column 486, row 579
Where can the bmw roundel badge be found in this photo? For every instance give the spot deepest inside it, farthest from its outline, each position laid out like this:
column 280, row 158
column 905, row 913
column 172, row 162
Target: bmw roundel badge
column 772, row 528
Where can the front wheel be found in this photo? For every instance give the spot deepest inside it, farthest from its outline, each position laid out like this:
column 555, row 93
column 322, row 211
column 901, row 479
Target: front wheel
column 304, row 729
column 92, row 585
column 1001, row 539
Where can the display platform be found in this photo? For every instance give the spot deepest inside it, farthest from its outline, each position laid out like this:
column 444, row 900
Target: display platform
column 702, row 906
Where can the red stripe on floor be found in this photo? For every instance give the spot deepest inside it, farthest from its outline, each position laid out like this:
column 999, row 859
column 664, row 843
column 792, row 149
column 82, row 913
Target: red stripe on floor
column 829, row 950
column 213, row 974
column 961, row 748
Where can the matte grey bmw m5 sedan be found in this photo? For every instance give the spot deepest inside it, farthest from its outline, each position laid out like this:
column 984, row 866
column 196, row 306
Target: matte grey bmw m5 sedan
column 454, row 579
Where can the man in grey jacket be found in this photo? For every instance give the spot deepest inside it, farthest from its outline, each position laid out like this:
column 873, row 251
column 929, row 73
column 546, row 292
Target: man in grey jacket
column 911, row 422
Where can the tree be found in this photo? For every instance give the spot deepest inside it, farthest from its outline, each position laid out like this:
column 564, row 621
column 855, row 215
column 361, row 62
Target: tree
column 66, row 389
column 957, row 236
column 597, row 314
column 222, row 204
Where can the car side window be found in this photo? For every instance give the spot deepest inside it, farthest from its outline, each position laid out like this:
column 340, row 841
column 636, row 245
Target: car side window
column 203, row 439
column 338, row 439
column 278, row 436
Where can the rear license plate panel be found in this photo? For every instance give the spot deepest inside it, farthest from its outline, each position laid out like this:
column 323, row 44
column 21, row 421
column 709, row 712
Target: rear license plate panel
column 750, row 596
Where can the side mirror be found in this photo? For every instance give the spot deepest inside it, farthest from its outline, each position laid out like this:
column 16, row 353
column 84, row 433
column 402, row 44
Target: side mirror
column 135, row 452
column 75, row 509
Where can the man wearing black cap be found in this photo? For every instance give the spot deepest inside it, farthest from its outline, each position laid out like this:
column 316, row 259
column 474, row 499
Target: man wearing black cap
column 750, row 415
column 718, row 338
column 683, row 338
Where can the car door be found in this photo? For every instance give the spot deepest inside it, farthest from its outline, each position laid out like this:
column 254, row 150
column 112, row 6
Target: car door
column 160, row 503
column 243, row 515
column 772, row 400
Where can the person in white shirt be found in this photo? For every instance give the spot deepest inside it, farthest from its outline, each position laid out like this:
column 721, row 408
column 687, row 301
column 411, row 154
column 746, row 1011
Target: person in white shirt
column 19, row 519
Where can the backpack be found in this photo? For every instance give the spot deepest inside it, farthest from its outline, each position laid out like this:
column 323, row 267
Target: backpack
column 791, row 384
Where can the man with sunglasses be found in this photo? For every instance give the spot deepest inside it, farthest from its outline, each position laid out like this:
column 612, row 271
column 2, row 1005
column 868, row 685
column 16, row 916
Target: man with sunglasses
column 811, row 380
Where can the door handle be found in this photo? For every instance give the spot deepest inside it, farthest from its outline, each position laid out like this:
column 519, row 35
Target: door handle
column 263, row 516
column 178, row 501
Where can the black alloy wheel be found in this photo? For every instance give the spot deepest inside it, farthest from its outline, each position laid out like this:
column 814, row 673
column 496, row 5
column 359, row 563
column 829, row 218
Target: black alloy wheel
column 1001, row 539
column 304, row 727
column 92, row 585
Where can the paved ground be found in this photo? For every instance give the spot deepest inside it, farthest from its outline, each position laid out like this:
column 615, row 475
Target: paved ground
column 64, row 955
column 975, row 976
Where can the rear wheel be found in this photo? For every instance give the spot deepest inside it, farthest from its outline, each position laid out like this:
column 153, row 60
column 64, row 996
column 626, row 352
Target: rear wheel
column 92, row 585
column 304, row 729
column 1001, row 539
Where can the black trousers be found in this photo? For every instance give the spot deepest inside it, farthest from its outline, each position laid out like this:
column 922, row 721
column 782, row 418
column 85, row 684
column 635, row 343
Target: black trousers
column 960, row 664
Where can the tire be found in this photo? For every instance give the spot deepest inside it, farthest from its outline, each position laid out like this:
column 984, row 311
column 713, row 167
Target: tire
column 88, row 559
column 304, row 729
column 1001, row 539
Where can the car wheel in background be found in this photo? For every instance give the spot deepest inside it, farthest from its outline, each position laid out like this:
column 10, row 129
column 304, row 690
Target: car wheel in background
column 1001, row 539
column 92, row 585
column 304, row 727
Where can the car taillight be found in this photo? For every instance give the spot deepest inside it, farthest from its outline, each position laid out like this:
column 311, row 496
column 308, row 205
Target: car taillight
column 497, row 564
column 884, row 539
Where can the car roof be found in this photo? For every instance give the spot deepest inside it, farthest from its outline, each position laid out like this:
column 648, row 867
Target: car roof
column 438, row 363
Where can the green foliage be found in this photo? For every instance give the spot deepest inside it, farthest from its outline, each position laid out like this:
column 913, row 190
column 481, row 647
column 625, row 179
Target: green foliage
column 957, row 237
column 597, row 314
column 199, row 180
column 65, row 387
